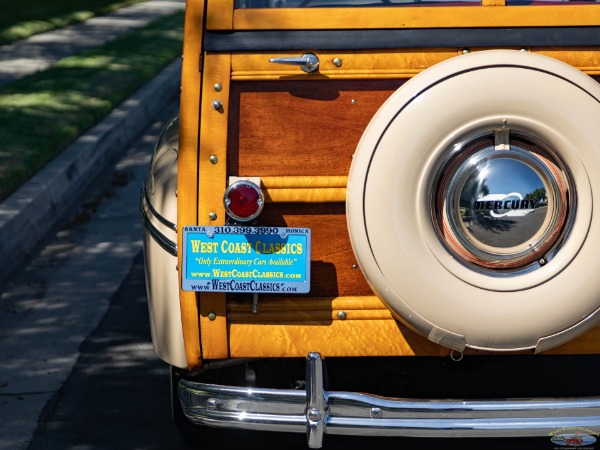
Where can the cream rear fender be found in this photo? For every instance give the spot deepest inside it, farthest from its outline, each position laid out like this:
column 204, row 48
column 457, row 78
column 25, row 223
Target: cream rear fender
column 442, row 211
column 159, row 214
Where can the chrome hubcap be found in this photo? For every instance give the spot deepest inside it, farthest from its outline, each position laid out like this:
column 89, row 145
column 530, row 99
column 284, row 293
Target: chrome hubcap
column 502, row 202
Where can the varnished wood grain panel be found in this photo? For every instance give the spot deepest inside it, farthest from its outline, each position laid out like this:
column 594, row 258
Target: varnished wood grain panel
column 336, row 338
column 357, row 338
column 294, row 326
column 300, row 127
column 355, row 65
column 417, row 17
column 332, row 268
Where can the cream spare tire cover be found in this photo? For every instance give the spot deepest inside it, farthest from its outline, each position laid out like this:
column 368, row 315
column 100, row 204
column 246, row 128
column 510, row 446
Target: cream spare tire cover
column 470, row 202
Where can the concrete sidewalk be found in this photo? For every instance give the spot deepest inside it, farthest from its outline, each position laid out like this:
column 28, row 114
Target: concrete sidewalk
column 31, row 212
column 40, row 51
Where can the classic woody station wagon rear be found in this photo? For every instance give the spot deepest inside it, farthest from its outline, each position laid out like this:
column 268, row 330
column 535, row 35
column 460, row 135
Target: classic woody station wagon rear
column 405, row 193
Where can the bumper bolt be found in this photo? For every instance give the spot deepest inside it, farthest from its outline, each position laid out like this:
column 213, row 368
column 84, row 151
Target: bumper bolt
column 376, row 413
column 314, row 415
column 211, row 404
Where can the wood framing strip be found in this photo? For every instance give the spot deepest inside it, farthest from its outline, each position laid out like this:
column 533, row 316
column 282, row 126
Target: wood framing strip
column 278, row 304
column 284, row 326
column 305, row 189
column 301, row 182
column 187, row 165
column 352, row 65
column 220, row 15
column 328, row 195
column 416, row 17
column 386, row 64
column 302, row 309
column 211, row 186
column 330, row 338
column 347, row 338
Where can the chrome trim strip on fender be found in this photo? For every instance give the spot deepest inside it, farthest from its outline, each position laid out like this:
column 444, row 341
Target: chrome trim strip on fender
column 166, row 244
column 317, row 412
column 155, row 213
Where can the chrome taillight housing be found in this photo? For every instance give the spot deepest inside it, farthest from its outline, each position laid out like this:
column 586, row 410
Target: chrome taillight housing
column 243, row 200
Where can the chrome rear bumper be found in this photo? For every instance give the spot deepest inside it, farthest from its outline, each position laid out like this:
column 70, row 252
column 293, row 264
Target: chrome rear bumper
column 316, row 412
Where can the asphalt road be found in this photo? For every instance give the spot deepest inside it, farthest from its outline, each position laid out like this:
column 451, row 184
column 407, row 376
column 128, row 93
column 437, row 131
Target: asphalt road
column 117, row 396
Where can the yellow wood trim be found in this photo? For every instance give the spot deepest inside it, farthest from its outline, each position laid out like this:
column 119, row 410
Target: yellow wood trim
column 588, row 343
column 305, row 195
column 292, row 326
column 416, row 17
column 359, row 75
column 493, row 3
column 213, row 330
column 369, row 302
column 220, row 15
column 385, row 64
column 304, row 316
column 323, row 317
column 211, row 185
column 335, row 338
column 307, row 309
column 585, row 59
column 187, row 163
column 284, row 182
column 289, row 326
column 213, row 138
column 349, row 338
column 356, row 64
column 304, row 189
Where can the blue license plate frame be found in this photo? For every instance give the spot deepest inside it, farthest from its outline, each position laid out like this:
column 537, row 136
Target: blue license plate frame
column 250, row 259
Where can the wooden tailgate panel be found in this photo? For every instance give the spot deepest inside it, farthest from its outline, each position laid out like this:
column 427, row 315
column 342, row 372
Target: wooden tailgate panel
column 306, row 128
column 299, row 128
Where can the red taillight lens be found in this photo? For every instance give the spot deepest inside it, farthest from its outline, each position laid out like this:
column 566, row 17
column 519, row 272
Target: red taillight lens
column 243, row 201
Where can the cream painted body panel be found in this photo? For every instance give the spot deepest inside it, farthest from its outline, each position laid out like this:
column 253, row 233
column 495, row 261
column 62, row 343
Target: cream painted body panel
column 395, row 242
column 162, row 278
column 163, row 304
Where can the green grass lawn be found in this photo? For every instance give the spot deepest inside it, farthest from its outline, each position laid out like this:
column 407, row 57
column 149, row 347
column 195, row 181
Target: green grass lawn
column 44, row 112
column 22, row 18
